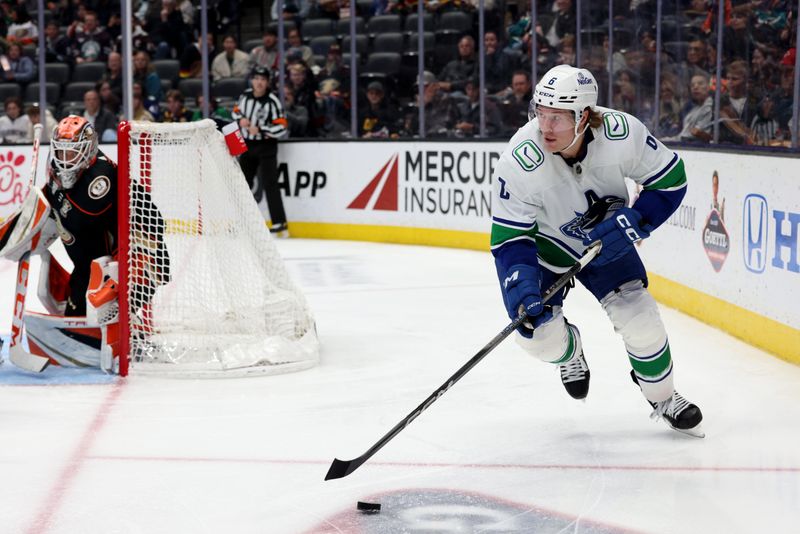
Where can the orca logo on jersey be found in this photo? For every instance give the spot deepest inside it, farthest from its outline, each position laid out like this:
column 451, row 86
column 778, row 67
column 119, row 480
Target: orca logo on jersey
column 99, row 187
column 595, row 214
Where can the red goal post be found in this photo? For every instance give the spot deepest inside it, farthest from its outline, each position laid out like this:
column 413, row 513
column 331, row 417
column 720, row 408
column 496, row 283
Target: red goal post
column 203, row 290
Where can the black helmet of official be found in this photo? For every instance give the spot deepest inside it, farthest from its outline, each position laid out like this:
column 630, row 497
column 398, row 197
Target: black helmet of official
column 261, row 71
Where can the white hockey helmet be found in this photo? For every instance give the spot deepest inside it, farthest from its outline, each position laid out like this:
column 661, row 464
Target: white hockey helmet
column 565, row 87
column 74, row 147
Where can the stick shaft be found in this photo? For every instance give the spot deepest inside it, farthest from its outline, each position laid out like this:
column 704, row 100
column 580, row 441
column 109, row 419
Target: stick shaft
column 15, row 353
column 340, row 468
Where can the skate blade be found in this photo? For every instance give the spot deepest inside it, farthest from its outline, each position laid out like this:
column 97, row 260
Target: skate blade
column 696, row 432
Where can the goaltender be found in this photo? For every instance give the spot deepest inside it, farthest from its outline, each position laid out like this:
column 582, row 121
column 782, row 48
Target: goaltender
column 80, row 203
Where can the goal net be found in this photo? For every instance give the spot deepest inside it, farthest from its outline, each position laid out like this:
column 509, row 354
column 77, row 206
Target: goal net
column 203, row 289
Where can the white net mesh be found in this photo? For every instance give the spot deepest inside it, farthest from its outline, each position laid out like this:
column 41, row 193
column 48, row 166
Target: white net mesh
column 208, row 293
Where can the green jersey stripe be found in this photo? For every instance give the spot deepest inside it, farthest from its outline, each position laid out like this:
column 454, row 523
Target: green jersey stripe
column 552, row 253
column 513, row 240
column 501, row 234
column 674, row 178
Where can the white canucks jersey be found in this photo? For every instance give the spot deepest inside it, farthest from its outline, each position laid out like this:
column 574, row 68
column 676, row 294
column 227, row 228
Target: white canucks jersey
column 538, row 196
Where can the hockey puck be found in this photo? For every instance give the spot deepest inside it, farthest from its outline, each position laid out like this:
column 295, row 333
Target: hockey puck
column 369, row 507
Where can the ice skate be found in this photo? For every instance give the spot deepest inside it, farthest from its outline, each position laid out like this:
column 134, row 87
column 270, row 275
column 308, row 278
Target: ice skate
column 678, row 413
column 575, row 376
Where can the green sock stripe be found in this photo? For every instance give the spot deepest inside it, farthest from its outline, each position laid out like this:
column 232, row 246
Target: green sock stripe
column 570, row 348
column 653, row 367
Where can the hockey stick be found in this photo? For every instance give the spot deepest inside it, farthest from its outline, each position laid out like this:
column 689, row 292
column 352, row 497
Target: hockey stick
column 342, row 468
column 16, row 353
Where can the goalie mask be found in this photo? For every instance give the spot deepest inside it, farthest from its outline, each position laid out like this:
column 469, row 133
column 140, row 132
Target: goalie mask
column 74, row 148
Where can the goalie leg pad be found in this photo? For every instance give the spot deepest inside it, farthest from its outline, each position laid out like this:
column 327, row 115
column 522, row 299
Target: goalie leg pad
column 53, row 287
column 552, row 341
column 102, row 305
column 635, row 316
column 68, row 341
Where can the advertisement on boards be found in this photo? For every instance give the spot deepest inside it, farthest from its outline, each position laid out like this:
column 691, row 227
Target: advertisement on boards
column 422, row 185
column 736, row 234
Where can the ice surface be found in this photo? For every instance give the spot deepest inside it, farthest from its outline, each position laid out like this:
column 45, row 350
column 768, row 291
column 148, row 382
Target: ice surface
column 505, row 450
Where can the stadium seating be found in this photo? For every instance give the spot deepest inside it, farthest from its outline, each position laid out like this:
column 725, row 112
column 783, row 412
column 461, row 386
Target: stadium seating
column 167, row 69
column 8, row 90
column 460, row 21
column 317, row 28
column 91, row 71
column 343, row 26
column 52, row 92
column 191, row 87
column 287, row 25
column 362, row 44
column 411, row 24
column 57, row 72
column 229, row 87
column 429, row 41
column 250, row 44
column 388, row 42
column 382, row 65
column 346, row 58
column 384, row 24
column 74, row 91
column 320, row 44
column 166, row 85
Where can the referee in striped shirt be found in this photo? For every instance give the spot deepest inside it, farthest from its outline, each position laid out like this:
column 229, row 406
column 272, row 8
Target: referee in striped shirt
column 262, row 122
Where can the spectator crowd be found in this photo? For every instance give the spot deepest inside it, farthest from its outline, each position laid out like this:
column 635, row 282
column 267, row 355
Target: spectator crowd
column 758, row 59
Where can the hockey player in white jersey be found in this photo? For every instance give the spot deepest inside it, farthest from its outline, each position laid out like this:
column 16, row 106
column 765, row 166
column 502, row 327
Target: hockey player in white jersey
column 559, row 186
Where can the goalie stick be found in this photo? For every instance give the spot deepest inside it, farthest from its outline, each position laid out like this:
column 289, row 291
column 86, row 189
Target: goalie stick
column 342, row 468
column 16, row 353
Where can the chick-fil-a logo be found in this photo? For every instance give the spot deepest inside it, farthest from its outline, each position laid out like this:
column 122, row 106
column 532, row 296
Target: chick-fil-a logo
column 12, row 187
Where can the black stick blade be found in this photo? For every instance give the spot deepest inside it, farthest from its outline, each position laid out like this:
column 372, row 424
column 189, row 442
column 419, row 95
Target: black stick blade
column 342, row 468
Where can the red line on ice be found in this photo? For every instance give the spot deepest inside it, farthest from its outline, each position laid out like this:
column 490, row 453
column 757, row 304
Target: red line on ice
column 732, row 469
column 51, row 504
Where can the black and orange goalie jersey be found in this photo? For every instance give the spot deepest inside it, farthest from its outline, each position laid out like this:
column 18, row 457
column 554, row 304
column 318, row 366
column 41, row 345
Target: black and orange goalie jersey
column 86, row 218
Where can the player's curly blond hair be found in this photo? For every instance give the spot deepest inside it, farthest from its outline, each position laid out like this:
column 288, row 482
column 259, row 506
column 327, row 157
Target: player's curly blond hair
column 595, row 118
